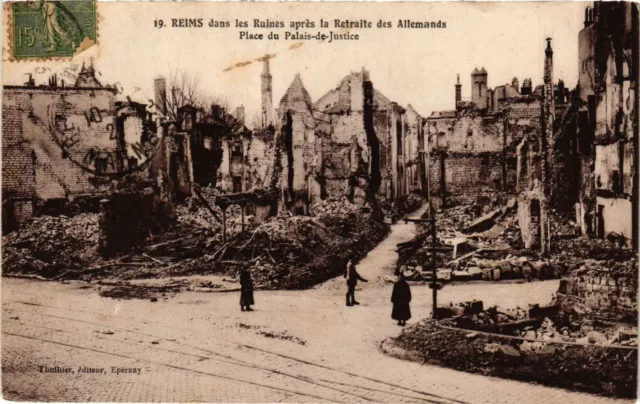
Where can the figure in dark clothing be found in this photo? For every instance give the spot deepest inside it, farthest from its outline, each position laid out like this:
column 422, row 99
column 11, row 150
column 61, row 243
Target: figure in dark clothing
column 401, row 297
column 352, row 280
column 246, row 290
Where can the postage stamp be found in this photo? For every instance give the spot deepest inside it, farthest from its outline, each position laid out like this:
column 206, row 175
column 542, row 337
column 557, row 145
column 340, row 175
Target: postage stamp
column 45, row 29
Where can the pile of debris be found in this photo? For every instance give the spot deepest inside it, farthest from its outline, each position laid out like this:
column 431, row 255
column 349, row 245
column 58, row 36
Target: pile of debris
column 297, row 252
column 579, row 354
column 483, row 242
column 537, row 325
column 50, row 245
column 393, row 210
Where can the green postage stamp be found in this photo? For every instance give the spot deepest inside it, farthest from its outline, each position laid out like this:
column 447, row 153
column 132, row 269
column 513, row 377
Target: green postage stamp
column 46, row 29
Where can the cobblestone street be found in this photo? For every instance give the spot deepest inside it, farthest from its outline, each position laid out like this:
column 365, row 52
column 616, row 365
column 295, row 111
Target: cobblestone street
column 302, row 346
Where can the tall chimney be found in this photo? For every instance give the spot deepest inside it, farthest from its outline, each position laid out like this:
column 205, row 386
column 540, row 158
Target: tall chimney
column 160, row 95
column 266, row 95
column 458, row 92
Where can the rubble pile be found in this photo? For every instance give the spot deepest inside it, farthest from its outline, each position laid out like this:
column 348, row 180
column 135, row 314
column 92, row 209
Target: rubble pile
column 194, row 214
column 538, row 325
column 484, row 243
column 541, row 345
column 296, row 252
column 50, row 245
column 575, row 251
column 394, row 210
column 285, row 251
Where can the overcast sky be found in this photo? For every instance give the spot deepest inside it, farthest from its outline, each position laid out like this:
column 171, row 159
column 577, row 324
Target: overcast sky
column 409, row 66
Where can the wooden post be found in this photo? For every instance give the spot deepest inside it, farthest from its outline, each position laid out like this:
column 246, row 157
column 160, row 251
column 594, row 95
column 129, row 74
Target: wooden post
column 242, row 211
column 224, row 224
column 434, row 278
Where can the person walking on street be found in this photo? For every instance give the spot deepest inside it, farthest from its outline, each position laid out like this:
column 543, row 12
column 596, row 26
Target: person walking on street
column 352, row 280
column 246, row 290
column 401, row 297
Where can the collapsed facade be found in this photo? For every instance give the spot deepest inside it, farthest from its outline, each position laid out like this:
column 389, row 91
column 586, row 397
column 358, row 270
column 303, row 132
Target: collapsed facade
column 497, row 142
column 72, row 149
column 608, row 122
column 472, row 149
column 63, row 142
column 352, row 142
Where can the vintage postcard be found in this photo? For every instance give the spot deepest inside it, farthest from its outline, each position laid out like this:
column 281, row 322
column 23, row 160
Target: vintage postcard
column 320, row 202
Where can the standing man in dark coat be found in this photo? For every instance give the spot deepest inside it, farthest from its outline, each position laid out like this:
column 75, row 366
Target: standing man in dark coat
column 246, row 290
column 352, row 280
column 401, row 297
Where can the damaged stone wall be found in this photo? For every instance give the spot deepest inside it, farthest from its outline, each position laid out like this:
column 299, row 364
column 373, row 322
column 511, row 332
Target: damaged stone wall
column 346, row 152
column 468, row 176
column 415, row 167
column 602, row 288
column 608, row 48
column 352, row 142
column 297, row 143
column 470, row 148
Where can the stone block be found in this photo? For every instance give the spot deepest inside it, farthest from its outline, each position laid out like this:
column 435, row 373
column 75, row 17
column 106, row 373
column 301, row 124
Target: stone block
column 475, row 272
column 509, row 354
column 495, row 274
column 486, row 274
column 596, row 337
column 443, row 274
column 461, row 275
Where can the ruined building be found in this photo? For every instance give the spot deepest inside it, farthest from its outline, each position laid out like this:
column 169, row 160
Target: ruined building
column 472, row 149
column 504, row 141
column 65, row 141
column 352, row 142
column 608, row 122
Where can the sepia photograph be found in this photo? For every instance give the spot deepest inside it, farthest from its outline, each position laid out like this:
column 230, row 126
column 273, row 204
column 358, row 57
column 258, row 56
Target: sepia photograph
column 322, row 202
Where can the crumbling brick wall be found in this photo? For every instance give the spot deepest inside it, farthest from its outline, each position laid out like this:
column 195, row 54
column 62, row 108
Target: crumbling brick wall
column 18, row 157
column 51, row 133
column 467, row 175
column 606, row 288
column 470, row 148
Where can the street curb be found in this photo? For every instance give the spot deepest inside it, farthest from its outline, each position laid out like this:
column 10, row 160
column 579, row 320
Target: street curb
column 387, row 347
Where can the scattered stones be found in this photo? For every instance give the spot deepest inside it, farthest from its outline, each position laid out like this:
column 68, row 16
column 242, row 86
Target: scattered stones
column 596, row 337
column 491, row 348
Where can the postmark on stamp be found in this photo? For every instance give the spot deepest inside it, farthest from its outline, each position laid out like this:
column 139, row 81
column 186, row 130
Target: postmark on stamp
column 52, row 29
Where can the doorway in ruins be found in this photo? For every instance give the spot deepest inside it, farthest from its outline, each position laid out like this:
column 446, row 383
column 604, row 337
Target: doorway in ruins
column 535, row 223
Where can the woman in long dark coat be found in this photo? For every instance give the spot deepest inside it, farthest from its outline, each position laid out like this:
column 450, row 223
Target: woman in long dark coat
column 246, row 290
column 401, row 297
